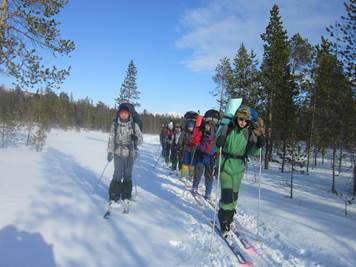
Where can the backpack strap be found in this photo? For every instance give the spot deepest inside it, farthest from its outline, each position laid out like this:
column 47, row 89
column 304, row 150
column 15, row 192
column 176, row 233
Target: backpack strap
column 115, row 130
column 133, row 138
column 243, row 157
column 249, row 143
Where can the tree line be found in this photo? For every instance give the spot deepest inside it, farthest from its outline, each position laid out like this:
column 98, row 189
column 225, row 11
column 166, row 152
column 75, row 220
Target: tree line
column 46, row 109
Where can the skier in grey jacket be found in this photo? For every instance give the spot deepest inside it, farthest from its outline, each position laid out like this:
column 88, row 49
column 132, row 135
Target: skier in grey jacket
column 123, row 141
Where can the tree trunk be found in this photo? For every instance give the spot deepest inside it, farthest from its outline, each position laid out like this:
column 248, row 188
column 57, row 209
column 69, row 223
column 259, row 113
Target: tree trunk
column 354, row 164
column 291, row 180
column 333, row 190
column 308, row 155
column 315, row 156
column 310, row 137
column 3, row 135
column 268, row 154
column 221, row 96
column 284, row 154
column 340, row 158
column 29, row 133
column 322, row 156
column 354, row 189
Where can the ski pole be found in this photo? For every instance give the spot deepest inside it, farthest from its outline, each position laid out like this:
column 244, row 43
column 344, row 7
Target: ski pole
column 102, row 174
column 157, row 161
column 191, row 161
column 216, row 201
column 135, row 184
column 259, row 197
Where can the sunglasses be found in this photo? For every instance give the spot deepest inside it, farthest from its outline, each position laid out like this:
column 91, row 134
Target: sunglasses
column 241, row 119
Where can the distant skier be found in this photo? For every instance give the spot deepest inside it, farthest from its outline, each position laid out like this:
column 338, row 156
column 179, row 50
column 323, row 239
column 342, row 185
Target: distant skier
column 167, row 141
column 175, row 153
column 240, row 138
column 205, row 154
column 161, row 138
column 185, row 144
column 124, row 138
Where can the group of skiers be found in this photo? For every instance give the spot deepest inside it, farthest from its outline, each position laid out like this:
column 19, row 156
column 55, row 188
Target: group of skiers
column 194, row 148
column 197, row 149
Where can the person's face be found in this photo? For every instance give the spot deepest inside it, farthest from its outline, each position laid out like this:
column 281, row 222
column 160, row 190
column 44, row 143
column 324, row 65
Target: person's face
column 241, row 122
column 177, row 129
column 207, row 127
column 124, row 115
column 190, row 129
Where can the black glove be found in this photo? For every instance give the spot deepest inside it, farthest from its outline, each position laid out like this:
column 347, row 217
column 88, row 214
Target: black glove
column 134, row 137
column 261, row 141
column 110, row 156
column 259, row 127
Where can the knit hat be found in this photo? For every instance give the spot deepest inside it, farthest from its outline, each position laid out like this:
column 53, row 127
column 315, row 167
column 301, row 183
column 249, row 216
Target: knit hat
column 124, row 107
column 190, row 124
column 124, row 110
column 243, row 113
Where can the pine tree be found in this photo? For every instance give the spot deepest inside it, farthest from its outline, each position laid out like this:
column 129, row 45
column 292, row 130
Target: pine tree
column 343, row 34
column 344, row 44
column 26, row 26
column 129, row 91
column 38, row 138
column 224, row 83
column 301, row 59
column 246, row 82
column 331, row 94
column 296, row 158
column 278, row 83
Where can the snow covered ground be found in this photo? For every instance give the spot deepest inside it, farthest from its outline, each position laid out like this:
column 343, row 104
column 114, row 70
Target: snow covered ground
column 52, row 203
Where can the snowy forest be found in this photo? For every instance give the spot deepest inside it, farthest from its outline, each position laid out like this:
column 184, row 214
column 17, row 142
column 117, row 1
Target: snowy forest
column 305, row 93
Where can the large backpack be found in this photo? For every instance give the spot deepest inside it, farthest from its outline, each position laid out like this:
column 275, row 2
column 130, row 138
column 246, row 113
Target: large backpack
column 135, row 119
column 254, row 114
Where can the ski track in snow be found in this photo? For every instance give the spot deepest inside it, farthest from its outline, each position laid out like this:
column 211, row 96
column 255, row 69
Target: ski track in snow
column 52, row 205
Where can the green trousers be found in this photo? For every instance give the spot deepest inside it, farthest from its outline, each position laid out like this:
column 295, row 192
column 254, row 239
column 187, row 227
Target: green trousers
column 230, row 186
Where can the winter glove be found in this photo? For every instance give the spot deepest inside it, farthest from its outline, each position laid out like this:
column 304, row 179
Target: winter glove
column 179, row 154
column 259, row 127
column 110, row 156
column 134, row 137
column 221, row 139
column 261, row 140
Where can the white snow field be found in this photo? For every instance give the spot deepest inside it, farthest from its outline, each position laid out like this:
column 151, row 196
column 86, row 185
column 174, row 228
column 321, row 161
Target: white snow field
column 52, row 205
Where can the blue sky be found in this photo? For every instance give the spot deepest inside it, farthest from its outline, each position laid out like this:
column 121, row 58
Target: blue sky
column 175, row 44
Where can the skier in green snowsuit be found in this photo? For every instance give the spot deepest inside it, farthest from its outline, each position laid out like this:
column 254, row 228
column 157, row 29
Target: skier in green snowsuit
column 240, row 138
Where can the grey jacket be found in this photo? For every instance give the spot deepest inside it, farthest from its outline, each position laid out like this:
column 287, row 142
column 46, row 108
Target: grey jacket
column 123, row 144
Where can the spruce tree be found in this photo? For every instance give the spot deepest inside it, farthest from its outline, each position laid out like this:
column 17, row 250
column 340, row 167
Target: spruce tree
column 223, row 79
column 129, row 91
column 343, row 35
column 278, row 83
column 301, row 59
column 246, row 82
column 331, row 94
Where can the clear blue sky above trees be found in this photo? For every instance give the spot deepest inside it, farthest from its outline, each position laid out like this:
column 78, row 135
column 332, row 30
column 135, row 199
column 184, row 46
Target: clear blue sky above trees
column 174, row 44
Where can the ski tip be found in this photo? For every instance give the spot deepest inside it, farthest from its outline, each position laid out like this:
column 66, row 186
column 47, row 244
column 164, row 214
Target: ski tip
column 250, row 249
column 247, row 264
